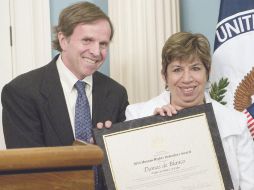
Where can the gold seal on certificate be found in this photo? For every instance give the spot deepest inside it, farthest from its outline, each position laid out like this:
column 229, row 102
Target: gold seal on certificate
column 182, row 152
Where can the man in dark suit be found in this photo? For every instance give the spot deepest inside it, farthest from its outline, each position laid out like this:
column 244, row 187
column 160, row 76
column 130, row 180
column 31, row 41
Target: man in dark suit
column 39, row 106
column 35, row 112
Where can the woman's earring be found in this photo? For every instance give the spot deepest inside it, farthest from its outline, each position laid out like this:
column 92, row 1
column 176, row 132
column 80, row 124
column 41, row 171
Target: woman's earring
column 208, row 85
column 166, row 87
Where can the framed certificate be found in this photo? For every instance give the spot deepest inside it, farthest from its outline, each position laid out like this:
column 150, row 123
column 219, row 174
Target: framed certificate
column 182, row 152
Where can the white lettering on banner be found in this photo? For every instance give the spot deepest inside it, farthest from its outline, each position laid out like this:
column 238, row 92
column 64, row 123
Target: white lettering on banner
column 234, row 27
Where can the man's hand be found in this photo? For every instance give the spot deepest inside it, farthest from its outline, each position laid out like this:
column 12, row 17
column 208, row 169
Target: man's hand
column 107, row 124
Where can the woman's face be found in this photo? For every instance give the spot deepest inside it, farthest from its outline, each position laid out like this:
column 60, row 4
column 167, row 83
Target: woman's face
column 186, row 81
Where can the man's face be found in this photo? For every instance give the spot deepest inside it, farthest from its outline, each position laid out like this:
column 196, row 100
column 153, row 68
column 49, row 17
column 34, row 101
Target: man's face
column 86, row 49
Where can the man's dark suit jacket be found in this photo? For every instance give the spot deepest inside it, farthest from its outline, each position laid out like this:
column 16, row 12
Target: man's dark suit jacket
column 35, row 113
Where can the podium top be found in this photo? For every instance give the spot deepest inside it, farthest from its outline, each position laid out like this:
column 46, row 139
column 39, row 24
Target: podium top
column 50, row 157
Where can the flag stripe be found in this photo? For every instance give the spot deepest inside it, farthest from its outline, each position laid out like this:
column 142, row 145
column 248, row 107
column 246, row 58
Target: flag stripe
column 250, row 122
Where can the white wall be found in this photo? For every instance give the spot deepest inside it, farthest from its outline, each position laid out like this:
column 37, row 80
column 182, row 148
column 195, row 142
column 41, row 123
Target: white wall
column 30, row 36
column 5, row 55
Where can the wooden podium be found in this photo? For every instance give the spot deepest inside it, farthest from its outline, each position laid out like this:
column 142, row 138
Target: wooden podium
column 58, row 168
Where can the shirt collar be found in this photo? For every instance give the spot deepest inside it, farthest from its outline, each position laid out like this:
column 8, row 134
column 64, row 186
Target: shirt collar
column 68, row 78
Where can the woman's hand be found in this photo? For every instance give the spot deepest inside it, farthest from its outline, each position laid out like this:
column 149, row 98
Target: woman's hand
column 168, row 110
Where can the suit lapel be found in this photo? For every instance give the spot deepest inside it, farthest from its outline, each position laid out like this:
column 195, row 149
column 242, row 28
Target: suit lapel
column 55, row 104
column 99, row 99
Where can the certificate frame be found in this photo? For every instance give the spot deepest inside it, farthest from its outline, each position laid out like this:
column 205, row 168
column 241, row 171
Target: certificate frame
column 147, row 123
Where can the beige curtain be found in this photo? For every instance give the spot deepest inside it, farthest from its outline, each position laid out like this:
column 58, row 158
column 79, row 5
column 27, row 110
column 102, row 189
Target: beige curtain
column 141, row 28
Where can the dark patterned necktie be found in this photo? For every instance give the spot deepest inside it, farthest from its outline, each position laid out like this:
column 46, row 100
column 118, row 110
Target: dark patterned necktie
column 83, row 122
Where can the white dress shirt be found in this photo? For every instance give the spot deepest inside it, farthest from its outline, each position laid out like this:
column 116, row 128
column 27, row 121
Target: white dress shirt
column 68, row 80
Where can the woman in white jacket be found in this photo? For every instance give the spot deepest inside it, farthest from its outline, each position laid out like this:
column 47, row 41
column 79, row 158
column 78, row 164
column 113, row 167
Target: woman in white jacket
column 186, row 63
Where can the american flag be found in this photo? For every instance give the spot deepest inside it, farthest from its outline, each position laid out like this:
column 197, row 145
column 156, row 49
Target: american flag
column 249, row 112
